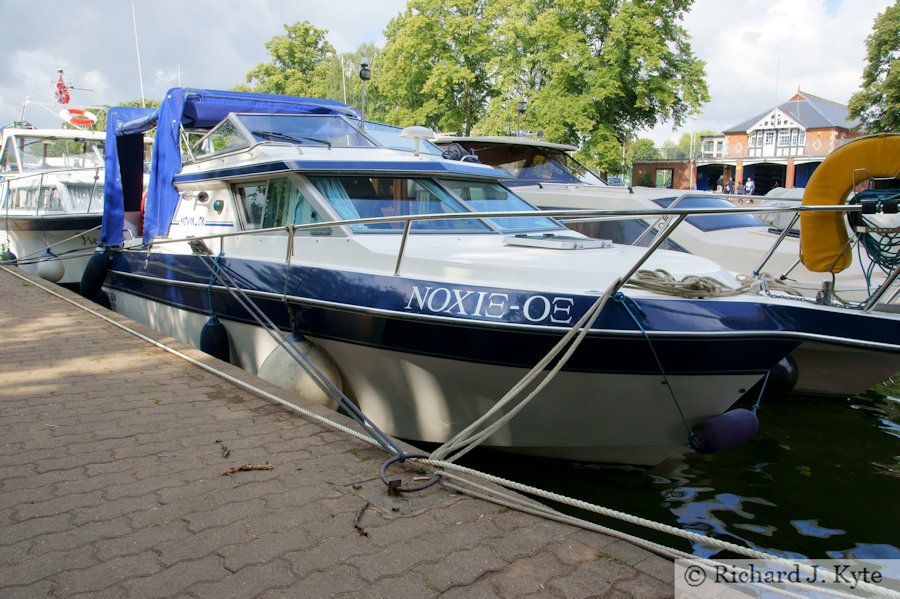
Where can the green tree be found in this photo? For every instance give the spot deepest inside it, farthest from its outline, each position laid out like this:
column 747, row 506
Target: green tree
column 299, row 64
column 877, row 104
column 644, row 149
column 434, row 66
column 341, row 79
column 594, row 72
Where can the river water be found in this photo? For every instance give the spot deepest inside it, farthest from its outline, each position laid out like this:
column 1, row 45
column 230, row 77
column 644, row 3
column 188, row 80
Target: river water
column 821, row 479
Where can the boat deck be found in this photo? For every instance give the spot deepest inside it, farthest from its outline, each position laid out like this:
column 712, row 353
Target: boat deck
column 112, row 453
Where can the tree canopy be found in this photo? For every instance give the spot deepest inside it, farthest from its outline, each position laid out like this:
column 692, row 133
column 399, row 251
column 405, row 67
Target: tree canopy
column 877, row 104
column 592, row 73
column 299, row 64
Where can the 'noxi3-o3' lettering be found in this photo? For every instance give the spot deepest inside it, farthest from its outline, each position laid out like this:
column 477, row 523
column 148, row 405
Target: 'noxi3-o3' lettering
column 489, row 304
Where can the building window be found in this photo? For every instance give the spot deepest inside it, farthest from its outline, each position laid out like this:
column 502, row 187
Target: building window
column 664, row 177
column 801, row 138
column 794, row 136
column 784, row 137
column 770, row 137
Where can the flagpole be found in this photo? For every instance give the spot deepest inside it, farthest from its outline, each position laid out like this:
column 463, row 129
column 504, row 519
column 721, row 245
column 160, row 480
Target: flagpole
column 137, row 47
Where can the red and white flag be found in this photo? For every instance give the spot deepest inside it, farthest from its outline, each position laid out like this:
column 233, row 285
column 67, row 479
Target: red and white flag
column 62, row 92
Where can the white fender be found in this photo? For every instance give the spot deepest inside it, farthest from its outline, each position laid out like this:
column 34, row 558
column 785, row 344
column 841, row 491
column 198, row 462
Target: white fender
column 279, row 368
column 51, row 270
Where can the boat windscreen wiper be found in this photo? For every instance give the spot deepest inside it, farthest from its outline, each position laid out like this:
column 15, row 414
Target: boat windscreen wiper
column 278, row 136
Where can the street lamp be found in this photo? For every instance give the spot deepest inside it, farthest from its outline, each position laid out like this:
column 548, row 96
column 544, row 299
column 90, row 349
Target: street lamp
column 520, row 109
column 365, row 73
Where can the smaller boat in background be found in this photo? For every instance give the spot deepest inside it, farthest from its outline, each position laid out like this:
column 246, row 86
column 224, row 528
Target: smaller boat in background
column 548, row 176
column 51, row 193
column 51, row 199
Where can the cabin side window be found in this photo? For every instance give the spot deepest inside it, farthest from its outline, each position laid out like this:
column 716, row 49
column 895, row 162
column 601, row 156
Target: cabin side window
column 379, row 197
column 274, row 203
column 8, row 162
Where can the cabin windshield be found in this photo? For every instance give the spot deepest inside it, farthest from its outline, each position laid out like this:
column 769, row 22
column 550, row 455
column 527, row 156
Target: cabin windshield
column 243, row 130
column 40, row 153
column 308, row 129
column 373, row 197
column 389, row 137
column 712, row 222
column 492, row 197
column 534, row 164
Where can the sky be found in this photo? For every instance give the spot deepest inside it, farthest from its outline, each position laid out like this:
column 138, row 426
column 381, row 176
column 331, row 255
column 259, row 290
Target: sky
column 757, row 52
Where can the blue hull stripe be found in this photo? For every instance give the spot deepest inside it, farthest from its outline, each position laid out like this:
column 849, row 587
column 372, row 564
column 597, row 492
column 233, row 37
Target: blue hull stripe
column 371, row 310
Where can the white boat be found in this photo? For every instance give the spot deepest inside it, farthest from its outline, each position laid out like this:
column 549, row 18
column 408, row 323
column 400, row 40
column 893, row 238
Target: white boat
column 51, row 194
column 408, row 272
column 51, row 199
column 547, row 175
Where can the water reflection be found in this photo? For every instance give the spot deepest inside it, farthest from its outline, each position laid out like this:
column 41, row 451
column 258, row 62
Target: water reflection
column 820, row 480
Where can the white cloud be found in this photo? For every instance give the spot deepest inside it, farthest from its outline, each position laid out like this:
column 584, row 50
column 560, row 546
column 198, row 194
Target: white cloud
column 757, row 51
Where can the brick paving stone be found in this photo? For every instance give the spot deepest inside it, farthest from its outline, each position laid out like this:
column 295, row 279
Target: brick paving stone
column 592, row 579
column 142, row 540
column 79, row 536
column 265, row 548
column 32, row 527
column 326, row 582
column 43, row 588
column 399, row 587
column 644, row 586
column 201, row 544
column 36, row 568
column 237, row 511
column 177, row 578
column 160, row 514
column 125, row 506
column 461, row 568
column 249, row 582
column 527, row 575
column 108, row 573
column 111, row 486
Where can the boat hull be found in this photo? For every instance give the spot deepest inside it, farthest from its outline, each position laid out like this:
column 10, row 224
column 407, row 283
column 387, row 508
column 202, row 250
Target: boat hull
column 71, row 239
column 425, row 377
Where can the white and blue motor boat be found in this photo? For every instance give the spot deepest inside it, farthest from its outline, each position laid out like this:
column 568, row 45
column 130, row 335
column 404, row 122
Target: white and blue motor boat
column 404, row 270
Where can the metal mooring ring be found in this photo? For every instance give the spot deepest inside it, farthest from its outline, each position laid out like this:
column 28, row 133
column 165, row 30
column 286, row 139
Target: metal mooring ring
column 393, row 484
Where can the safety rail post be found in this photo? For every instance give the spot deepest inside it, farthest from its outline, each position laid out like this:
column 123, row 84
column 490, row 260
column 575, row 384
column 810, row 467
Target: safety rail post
column 93, row 187
column 873, row 301
column 774, row 247
column 406, row 227
column 660, row 239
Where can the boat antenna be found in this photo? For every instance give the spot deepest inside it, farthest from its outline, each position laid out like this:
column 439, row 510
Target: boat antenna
column 138, row 48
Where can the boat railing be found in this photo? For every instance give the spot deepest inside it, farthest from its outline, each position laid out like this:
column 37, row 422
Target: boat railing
column 48, row 202
column 679, row 214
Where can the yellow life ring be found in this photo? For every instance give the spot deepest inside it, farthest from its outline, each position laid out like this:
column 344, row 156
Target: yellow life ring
column 823, row 236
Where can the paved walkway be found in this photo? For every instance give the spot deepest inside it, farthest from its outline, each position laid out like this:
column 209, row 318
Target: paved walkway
column 111, row 459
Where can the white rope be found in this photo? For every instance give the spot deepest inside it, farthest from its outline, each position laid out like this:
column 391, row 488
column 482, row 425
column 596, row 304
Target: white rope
column 465, row 440
column 694, row 286
column 665, row 528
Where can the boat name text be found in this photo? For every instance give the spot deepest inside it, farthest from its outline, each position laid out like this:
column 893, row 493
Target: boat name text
column 489, row 304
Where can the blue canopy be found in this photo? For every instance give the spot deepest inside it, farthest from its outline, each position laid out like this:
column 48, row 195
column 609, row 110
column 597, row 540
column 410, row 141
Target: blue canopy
column 123, row 181
column 192, row 108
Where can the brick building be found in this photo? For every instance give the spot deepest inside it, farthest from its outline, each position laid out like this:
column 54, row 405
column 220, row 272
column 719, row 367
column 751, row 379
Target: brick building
column 780, row 147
